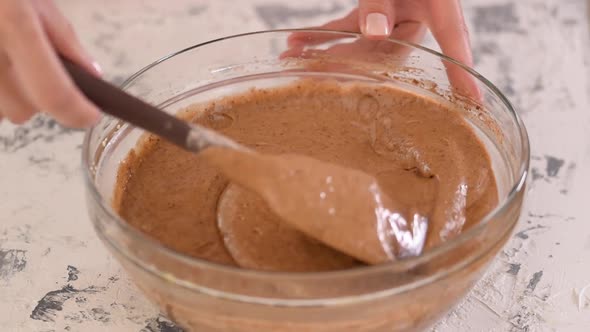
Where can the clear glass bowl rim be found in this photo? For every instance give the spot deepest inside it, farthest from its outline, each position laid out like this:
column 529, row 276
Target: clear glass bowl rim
column 138, row 237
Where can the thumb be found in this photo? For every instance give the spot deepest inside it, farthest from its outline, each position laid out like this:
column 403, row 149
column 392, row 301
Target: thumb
column 64, row 39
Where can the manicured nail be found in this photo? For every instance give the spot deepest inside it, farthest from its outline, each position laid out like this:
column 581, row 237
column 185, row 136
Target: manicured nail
column 97, row 67
column 377, row 25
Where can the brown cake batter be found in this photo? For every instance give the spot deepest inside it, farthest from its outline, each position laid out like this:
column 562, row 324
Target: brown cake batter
column 411, row 165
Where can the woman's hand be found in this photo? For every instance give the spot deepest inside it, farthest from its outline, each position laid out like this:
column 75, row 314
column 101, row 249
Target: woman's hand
column 403, row 19
column 32, row 78
column 406, row 20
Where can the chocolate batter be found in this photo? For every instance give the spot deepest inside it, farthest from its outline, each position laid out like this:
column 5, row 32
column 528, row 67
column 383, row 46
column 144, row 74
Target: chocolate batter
column 411, row 165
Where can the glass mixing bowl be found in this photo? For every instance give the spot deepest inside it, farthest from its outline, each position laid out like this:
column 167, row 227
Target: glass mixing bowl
column 407, row 295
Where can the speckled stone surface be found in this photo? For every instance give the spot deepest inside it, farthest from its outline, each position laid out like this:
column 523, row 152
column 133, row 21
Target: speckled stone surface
column 55, row 275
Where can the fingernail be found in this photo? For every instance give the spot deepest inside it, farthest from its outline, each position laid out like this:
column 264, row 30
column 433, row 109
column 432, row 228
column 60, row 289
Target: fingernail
column 377, row 25
column 97, row 67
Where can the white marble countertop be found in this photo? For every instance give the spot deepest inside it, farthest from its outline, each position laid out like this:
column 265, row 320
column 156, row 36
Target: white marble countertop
column 55, row 275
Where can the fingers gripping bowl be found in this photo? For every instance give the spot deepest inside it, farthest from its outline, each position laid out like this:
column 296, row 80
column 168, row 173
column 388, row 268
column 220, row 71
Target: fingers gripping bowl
column 406, row 295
